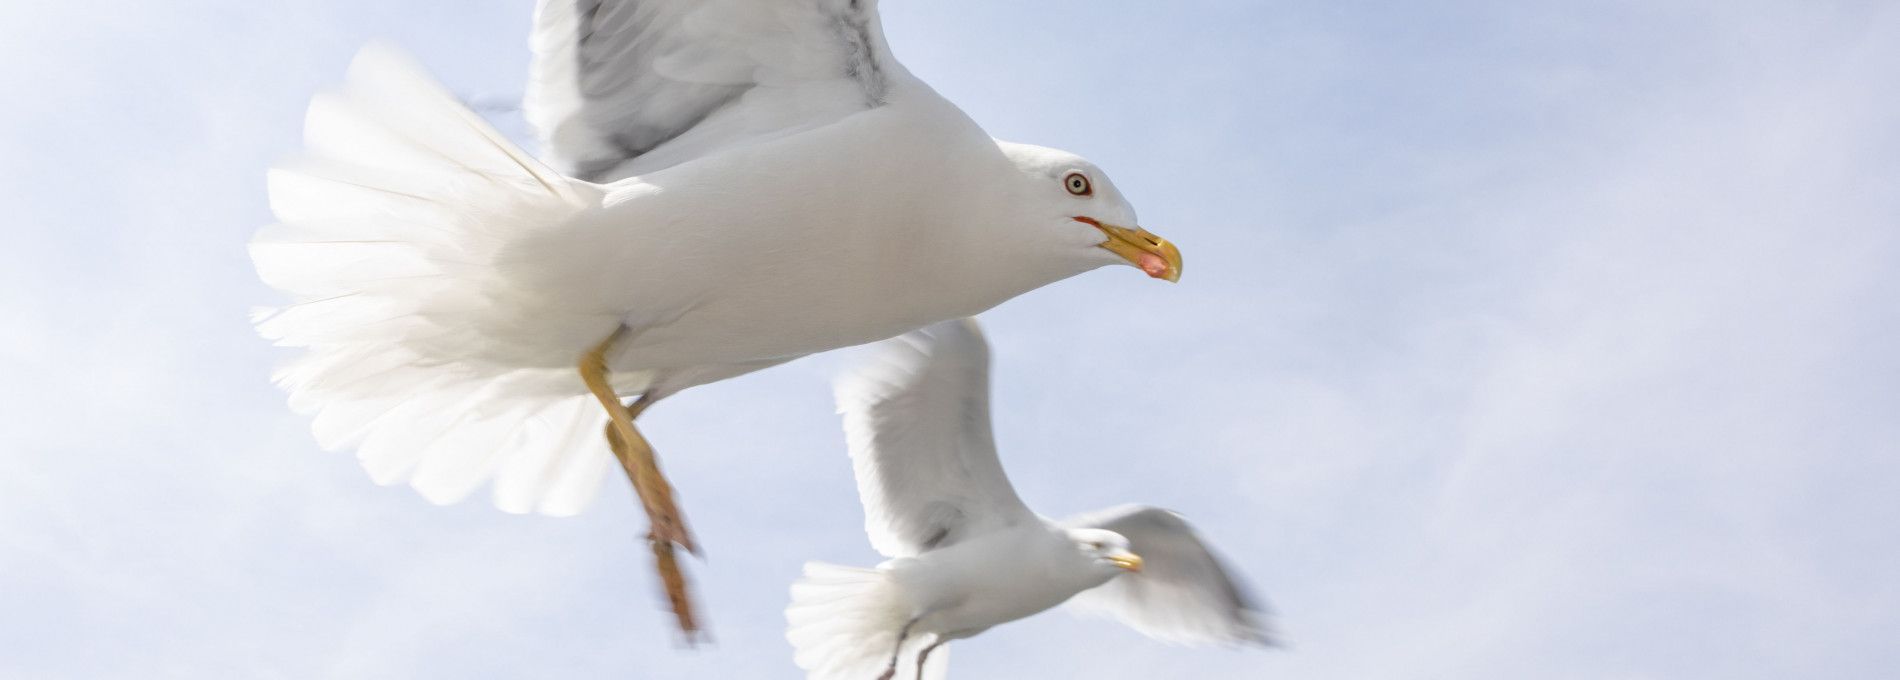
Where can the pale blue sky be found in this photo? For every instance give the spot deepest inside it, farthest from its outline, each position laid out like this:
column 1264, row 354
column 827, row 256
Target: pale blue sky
column 1517, row 339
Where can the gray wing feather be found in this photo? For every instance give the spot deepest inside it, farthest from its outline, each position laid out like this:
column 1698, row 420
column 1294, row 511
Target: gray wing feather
column 1183, row 594
column 615, row 80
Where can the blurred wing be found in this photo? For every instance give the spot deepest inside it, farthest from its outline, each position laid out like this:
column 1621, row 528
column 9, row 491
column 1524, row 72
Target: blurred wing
column 1182, row 594
column 917, row 421
column 624, row 87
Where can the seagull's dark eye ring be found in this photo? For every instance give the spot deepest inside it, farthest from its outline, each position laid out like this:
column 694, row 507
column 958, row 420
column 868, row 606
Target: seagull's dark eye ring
column 1078, row 184
column 1095, row 545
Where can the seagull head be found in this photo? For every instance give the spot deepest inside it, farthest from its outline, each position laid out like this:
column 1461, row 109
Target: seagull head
column 1072, row 202
column 1106, row 551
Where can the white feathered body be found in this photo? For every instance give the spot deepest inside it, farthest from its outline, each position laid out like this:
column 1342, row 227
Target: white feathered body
column 829, row 238
column 995, row 578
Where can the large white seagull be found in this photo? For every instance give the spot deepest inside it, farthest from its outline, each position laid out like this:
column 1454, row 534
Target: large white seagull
column 732, row 184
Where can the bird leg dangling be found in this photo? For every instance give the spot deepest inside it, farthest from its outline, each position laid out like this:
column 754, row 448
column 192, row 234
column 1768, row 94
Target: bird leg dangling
column 925, row 655
column 890, row 670
column 668, row 528
column 665, row 559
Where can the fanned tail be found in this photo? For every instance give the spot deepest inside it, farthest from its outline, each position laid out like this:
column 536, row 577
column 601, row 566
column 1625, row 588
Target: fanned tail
column 844, row 622
column 420, row 349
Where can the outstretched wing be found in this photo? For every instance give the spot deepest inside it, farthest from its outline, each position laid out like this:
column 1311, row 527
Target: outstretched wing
column 625, row 87
column 1182, row 594
column 917, row 421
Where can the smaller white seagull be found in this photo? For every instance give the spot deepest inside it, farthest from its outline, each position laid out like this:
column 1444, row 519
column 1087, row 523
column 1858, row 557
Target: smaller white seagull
column 967, row 554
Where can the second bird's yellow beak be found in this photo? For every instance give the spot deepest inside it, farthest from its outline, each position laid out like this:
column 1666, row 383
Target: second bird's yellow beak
column 1127, row 561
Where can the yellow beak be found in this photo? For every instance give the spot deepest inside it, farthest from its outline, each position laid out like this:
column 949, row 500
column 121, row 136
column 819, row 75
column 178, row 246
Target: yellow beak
column 1127, row 561
column 1149, row 253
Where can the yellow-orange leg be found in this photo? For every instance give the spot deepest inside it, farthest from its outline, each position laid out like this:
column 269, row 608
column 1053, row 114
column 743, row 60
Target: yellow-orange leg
column 668, row 528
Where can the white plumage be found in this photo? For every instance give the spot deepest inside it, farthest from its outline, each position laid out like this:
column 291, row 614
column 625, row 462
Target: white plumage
column 391, row 228
column 741, row 182
column 967, row 554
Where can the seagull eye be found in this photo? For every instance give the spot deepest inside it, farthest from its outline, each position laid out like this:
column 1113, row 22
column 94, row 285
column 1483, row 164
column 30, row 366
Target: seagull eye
column 1095, row 545
column 1078, row 184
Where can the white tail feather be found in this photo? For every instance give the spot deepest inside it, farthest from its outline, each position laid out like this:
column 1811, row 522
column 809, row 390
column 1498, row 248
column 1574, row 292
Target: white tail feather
column 421, row 352
column 844, row 623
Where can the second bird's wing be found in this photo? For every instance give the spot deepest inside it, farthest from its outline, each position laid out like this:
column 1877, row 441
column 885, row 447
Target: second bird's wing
column 917, row 422
column 1183, row 594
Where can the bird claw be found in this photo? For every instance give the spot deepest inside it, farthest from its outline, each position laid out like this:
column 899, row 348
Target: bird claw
column 668, row 527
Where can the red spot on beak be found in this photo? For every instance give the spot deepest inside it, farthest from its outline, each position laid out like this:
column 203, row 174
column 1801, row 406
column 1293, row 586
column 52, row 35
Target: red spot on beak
column 1152, row 265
